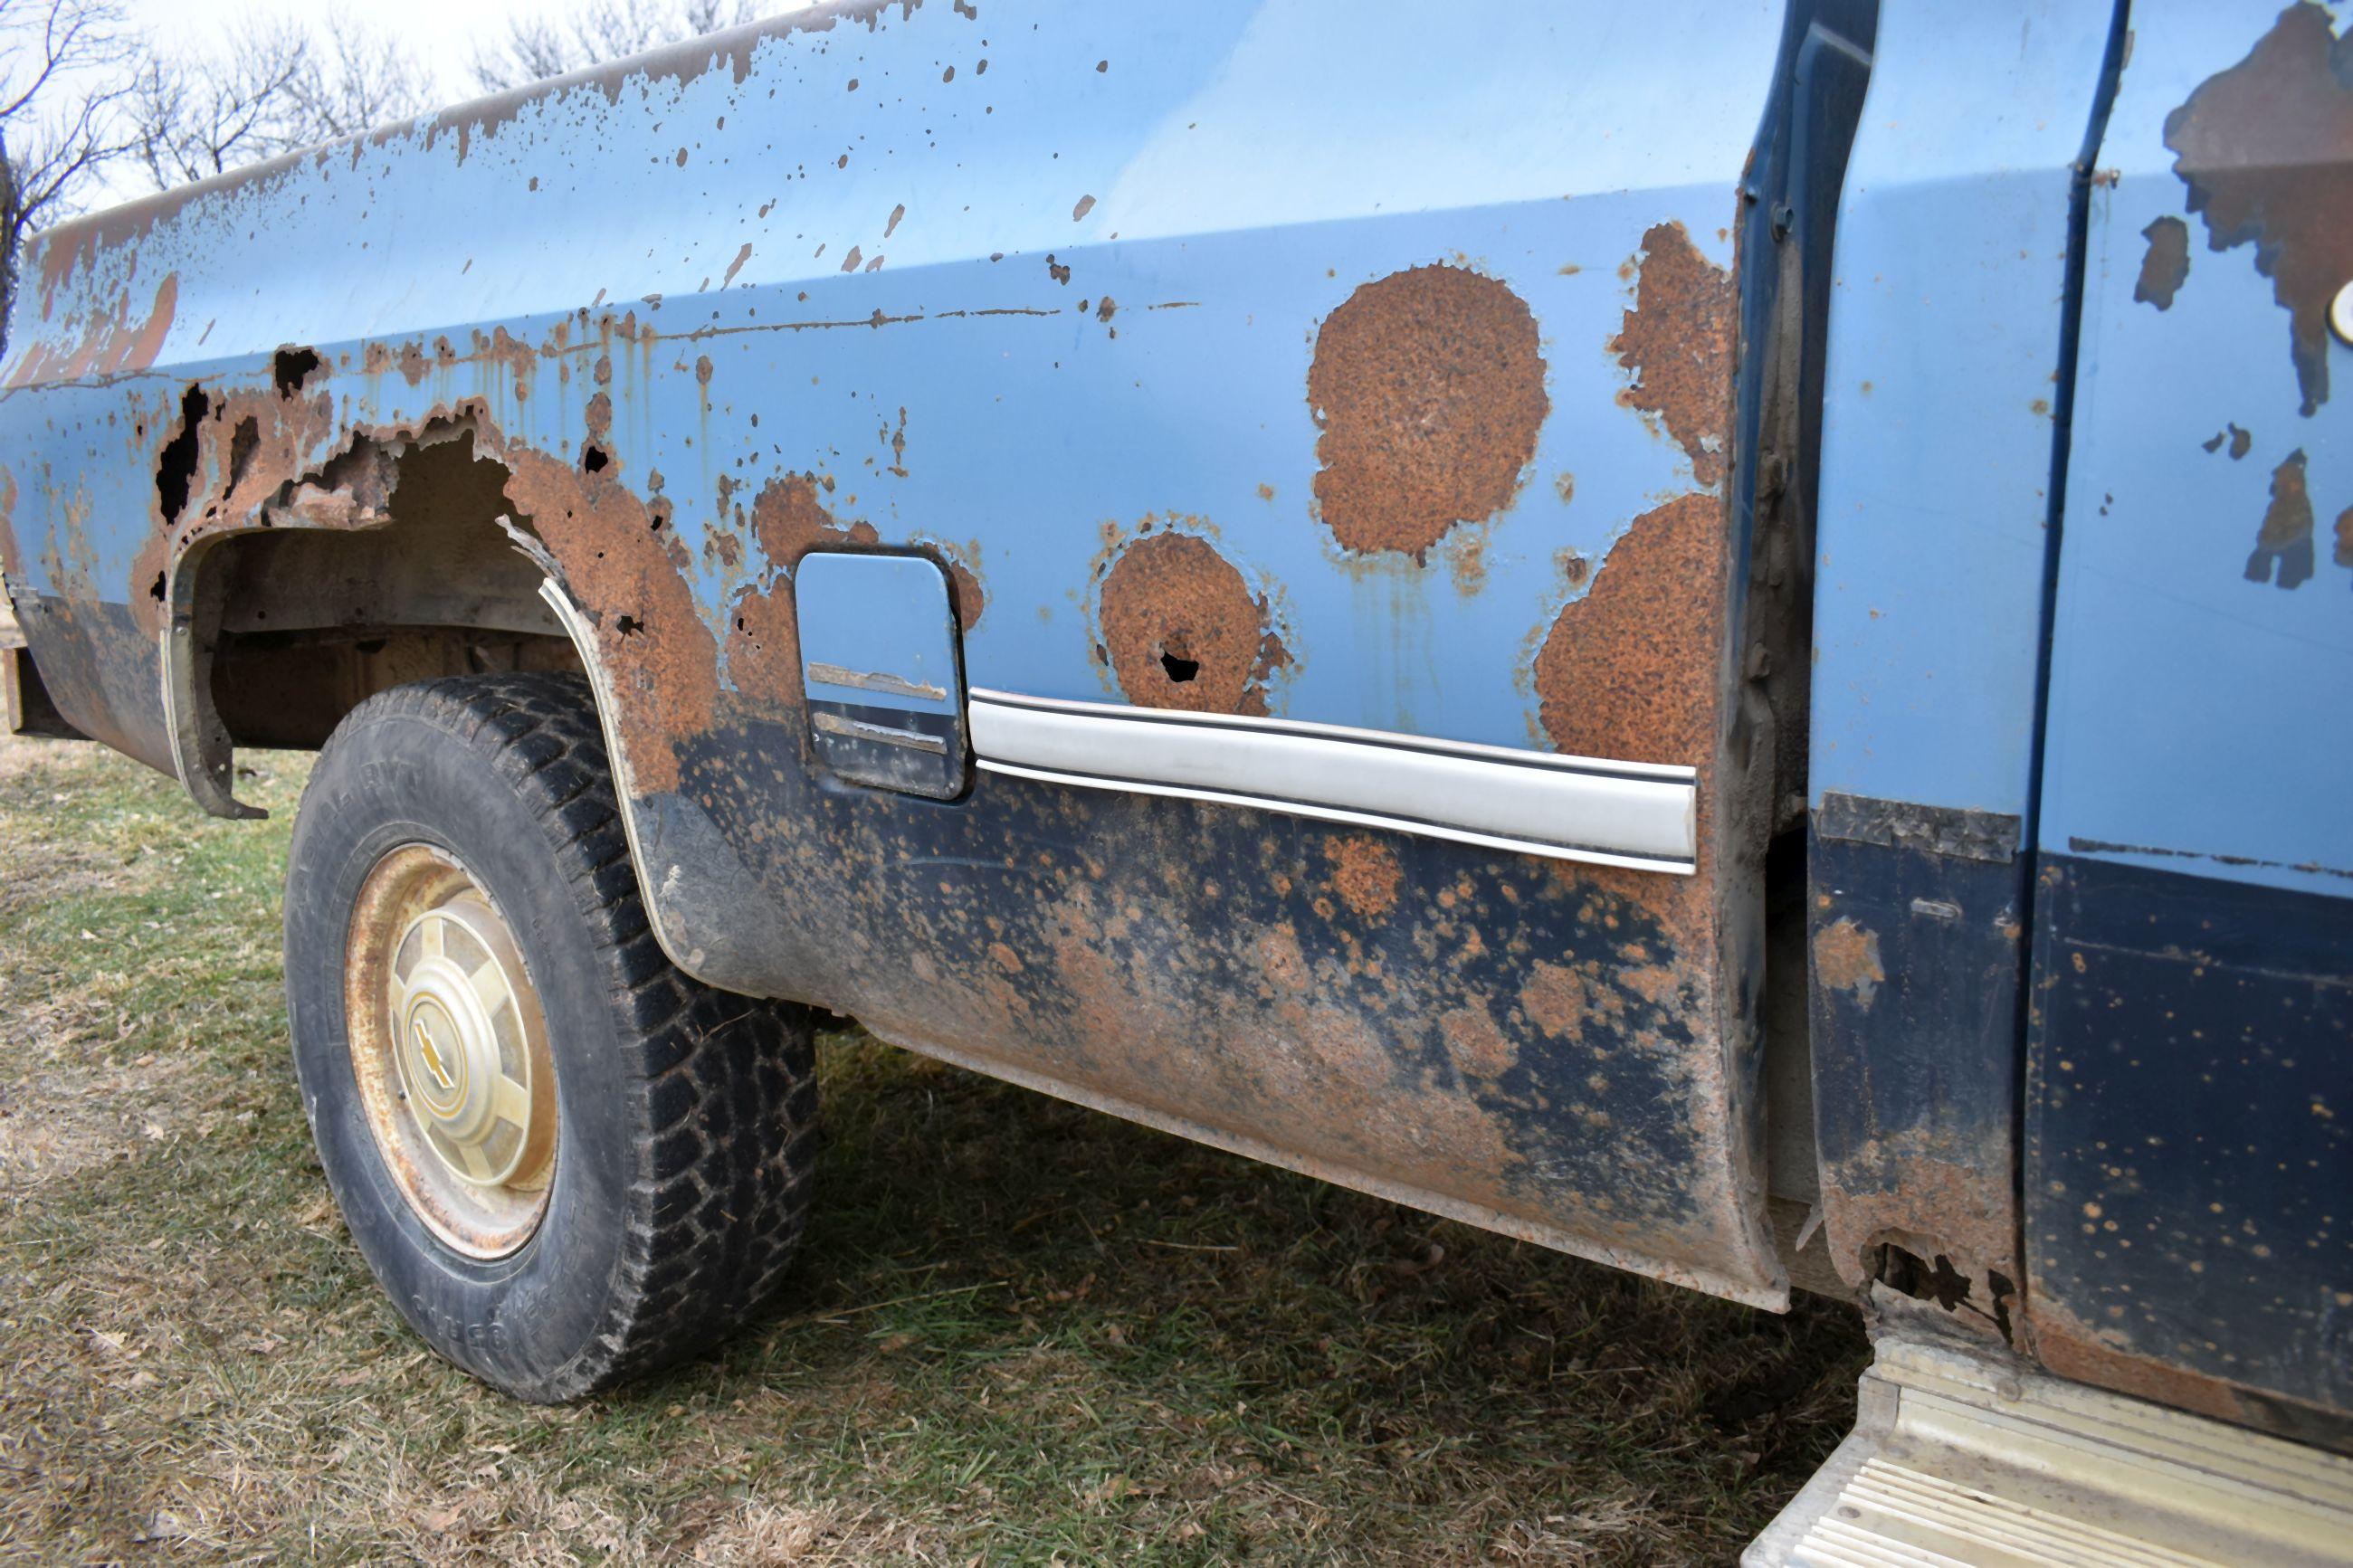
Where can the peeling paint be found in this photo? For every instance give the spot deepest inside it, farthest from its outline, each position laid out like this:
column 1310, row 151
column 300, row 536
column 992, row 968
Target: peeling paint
column 2266, row 148
column 2284, row 542
column 2165, row 265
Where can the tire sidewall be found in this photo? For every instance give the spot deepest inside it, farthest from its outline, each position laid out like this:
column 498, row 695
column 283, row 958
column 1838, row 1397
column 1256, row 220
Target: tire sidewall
column 526, row 1321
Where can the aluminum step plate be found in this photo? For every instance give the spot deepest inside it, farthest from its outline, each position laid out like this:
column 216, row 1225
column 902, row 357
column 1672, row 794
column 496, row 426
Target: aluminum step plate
column 1962, row 1459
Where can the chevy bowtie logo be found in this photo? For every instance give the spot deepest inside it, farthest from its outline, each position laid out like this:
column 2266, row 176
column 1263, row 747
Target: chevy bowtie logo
column 429, row 1053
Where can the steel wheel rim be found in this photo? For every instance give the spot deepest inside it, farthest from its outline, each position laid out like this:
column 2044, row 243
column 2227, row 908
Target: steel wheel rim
column 449, row 1048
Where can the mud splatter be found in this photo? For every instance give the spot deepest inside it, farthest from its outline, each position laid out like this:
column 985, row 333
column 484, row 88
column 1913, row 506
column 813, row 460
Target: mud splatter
column 1184, row 631
column 1630, row 671
column 1677, row 341
column 2165, row 265
column 2285, row 540
column 1430, row 390
column 1846, row 957
column 1365, row 875
column 2266, row 149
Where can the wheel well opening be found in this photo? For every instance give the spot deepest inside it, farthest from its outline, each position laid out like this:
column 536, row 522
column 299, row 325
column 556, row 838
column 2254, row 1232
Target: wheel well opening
column 299, row 623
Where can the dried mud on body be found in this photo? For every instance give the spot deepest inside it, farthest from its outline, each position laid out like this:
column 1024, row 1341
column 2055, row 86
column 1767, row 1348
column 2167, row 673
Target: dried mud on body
column 1021, row 1331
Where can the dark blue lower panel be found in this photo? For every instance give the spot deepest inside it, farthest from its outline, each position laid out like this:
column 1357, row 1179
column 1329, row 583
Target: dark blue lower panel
column 2189, row 1142
column 1917, row 949
column 1540, row 1041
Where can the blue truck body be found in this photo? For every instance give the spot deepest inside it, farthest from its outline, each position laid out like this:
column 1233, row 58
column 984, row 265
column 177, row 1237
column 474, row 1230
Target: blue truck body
column 1712, row 634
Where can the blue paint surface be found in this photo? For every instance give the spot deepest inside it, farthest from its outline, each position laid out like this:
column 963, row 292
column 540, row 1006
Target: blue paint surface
column 2200, row 720
column 1945, row 349
column 1227, row 180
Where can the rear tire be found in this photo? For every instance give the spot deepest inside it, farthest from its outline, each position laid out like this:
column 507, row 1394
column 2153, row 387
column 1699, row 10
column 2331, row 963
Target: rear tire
column 683, row 1118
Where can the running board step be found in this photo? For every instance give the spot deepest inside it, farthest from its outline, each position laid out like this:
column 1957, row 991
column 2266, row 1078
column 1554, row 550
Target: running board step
column 1961, row 1460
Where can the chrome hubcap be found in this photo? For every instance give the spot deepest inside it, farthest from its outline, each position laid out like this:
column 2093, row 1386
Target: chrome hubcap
column 450, row 1052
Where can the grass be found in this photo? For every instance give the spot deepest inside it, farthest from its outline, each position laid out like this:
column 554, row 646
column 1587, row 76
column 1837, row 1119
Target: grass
column 1019, row 1331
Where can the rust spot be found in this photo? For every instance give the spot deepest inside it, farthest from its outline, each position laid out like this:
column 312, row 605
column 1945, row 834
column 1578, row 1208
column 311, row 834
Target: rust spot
column 790, row 519
column 2077, row 1349
column 2344, row 552
column 1564, row 485
column 2165, row 264
column 849, row 262
column 2285, row 540
column 1184, row 630
column 1630, row 671
column 1365, row 875
column 736, row 265
column 1428, row 388
column 1085, row 206
column 659, row 657
column 2267, row 150
column 1677, row 340
column 1846, row 957
column 114, row 342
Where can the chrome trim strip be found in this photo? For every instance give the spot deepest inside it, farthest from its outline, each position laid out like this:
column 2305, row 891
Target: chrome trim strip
column 1636, row 814
column 883, row 681
column 881, row 734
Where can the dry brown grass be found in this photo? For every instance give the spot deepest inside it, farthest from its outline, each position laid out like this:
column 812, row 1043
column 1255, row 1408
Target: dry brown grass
column 1021, row 1331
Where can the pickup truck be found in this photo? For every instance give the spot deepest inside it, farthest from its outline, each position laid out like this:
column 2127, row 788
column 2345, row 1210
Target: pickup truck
column 1716, row 634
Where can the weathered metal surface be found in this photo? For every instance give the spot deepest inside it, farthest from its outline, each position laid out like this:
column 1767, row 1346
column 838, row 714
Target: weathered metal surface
column 1211, row 380
column 2198, row 578
column 2186, row 1154
column 1947, row 351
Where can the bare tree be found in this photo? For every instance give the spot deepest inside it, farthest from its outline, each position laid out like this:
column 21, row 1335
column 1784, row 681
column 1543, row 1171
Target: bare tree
column 535, row 48
column 60, row 82
column 279, row 87
column 197, row 117
column 356, row 79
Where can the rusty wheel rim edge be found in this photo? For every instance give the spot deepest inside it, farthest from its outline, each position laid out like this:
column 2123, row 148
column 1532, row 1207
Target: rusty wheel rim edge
column 449, row 1052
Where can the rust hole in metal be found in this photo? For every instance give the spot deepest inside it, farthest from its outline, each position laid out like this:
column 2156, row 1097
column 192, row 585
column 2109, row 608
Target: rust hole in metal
column 1905, row 1273
column 176, row 471
column 243, row 442
column 1428, row 388
column 628, row 626
column 1184, row 630
column 291, row 368
column 593, row 459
